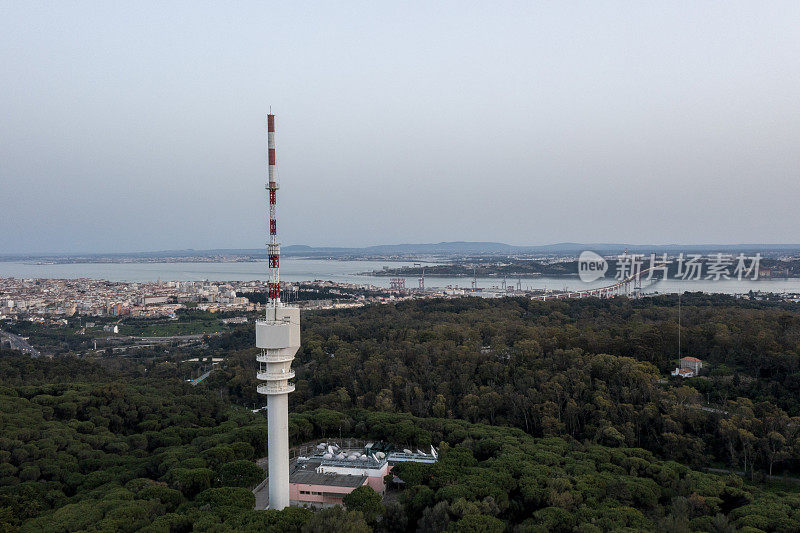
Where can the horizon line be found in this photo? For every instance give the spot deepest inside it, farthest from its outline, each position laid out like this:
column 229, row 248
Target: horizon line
column 773, row 246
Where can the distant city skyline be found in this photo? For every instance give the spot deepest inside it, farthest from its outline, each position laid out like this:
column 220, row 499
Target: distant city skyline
column 134, row 128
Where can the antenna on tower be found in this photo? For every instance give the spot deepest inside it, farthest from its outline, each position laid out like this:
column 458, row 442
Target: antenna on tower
column 679, row 325
column 273, row 248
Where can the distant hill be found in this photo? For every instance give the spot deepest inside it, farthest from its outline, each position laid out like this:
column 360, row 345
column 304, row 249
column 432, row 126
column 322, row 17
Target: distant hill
column 454, row 248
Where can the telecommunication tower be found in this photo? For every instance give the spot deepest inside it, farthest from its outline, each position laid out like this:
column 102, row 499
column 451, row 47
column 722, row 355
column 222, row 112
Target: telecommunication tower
column 278, row 337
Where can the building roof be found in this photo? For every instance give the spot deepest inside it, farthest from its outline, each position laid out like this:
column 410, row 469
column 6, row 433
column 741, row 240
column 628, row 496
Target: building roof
column 367, row 463
column 333, row 480
column 690, row 359
column 400, row 457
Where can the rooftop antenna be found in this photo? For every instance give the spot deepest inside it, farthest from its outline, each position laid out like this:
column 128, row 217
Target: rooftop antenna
column 679, row 325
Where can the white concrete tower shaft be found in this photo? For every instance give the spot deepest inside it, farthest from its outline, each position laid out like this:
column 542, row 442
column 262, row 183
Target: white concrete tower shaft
column 278, row 337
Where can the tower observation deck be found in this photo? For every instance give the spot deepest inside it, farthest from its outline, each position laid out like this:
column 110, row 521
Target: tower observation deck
column 278, row 337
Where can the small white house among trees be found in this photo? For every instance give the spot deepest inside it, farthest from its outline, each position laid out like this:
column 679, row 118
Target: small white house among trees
column 688, row 367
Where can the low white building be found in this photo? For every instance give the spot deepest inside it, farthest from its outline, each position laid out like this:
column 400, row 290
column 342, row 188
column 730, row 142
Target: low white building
column 688, row 367
column 683, row 372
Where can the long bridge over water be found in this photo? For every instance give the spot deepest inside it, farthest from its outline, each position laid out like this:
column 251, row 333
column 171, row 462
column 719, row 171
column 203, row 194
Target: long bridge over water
column 630, row 286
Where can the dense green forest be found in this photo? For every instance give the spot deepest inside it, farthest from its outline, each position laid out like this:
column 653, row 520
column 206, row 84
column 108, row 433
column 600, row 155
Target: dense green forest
column 591, row 369
column 85, row 449
column 550, row 416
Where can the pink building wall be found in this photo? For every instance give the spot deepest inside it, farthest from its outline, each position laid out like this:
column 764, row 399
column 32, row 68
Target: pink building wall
column 325, row 494
column 377, row 484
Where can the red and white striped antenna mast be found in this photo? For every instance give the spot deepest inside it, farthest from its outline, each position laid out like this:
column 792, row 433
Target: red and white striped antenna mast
column 273, row 248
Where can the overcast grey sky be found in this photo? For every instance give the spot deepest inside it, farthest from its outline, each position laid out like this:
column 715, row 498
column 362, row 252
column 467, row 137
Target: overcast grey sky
column 131, row 126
